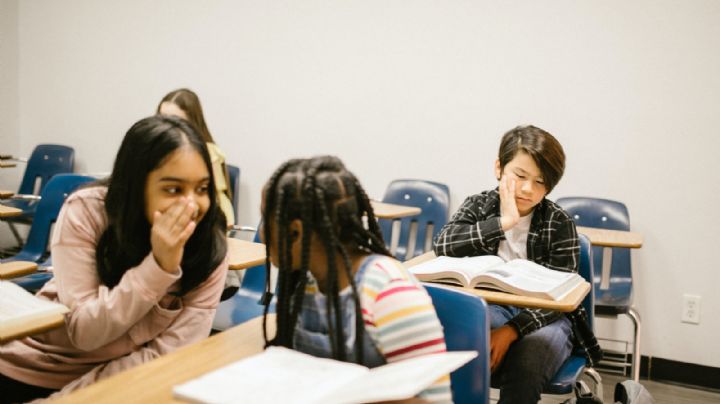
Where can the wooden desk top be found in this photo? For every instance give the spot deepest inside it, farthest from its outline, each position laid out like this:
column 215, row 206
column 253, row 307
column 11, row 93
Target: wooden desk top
column 612, row 238
column 567, row 304
column 152, row 382
column 7, row 211
column 392, row 211
column 14, row 269
column 4, row 164
column 4, row 193
column 245, row 254
column 40, row 325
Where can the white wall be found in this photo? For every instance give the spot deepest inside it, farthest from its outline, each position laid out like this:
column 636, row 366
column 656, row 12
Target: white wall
column 9, row 140
column 9, row 130
column 418, row 89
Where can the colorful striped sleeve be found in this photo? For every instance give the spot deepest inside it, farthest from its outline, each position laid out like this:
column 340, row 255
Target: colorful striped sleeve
column 401, row 319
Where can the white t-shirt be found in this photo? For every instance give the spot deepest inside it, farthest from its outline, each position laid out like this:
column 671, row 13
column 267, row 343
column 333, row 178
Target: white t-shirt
column 515, row 243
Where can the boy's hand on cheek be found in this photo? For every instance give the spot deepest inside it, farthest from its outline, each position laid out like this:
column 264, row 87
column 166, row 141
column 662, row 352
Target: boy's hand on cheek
column 170, row 231
column 509, row 214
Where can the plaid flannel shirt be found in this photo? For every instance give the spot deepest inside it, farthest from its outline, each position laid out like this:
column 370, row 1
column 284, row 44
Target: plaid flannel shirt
column 552, row 242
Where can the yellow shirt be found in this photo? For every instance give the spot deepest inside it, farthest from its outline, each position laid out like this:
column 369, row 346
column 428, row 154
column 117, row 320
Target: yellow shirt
column 217, row 157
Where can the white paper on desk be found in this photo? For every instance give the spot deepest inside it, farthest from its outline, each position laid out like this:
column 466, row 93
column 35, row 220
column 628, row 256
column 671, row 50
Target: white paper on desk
column 282, row 375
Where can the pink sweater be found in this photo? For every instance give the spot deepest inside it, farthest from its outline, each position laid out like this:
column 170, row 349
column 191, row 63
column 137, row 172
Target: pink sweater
column 106, row 330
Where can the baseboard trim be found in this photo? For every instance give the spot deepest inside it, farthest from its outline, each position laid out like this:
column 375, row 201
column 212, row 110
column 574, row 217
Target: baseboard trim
column 664, row 370
column 691, row 374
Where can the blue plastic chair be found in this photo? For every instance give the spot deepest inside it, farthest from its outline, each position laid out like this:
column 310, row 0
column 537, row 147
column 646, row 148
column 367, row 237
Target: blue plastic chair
column 45, row 161
column 613, row 295
column 576, row 364
column 246, row 304
column 434, row 200
column 234, row 174
column 467, row 328
column 47, row 210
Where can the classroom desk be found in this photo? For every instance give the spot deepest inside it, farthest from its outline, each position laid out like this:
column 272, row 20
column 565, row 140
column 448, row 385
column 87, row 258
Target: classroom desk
column 40, row 325
column 4, row 193
column 152, row 382
column 5, row 164
column 612, row 238
column 14, row 269
column 567, row 304
column 8, row 211
column 391, row 211
column 608, row 239
column 244, row 254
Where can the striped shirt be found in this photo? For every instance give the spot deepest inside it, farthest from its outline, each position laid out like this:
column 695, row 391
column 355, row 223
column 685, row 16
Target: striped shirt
column 552, row 242
column 400, row 320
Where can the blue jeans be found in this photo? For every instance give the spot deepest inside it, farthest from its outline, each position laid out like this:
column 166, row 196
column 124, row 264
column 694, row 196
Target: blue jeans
column 532, row 360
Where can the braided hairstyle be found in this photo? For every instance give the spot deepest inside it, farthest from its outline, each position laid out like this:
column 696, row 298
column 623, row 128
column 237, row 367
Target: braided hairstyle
column 330, row 204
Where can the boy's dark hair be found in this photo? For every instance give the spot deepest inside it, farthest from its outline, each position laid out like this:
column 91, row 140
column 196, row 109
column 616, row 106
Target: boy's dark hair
column 330, row 203
column 126, row 241
column 544, row 149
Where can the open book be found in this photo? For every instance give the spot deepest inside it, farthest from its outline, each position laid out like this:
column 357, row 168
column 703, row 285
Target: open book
column 281, row 375
column 22, row 313
column 519, row 277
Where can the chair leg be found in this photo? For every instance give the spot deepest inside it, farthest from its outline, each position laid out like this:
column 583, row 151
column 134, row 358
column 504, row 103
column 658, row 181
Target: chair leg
column 15, row 233
column 635, row 368
column 597, row 380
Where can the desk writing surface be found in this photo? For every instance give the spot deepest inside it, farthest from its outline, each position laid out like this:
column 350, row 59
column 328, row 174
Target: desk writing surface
column 567, row 304
column 14, row 269
column 40, row 325
column 384, row 210
column 152, row 382
column 4, row 193
column 9, row 211
column 244, row 254
column 4, row 164
column 612, row 238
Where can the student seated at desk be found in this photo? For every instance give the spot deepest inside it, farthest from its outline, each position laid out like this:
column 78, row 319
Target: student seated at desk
column 515, row 220
column 340, row 293
column 184, row 103
column 138, row 258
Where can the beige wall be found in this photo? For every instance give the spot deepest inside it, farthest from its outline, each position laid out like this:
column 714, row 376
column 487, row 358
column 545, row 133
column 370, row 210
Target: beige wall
column 418, row 89
column 9, row 96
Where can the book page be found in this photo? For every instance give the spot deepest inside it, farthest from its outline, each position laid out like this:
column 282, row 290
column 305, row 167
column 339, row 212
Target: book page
column 17, row 304
column 468, row 267
column 524, row 277
column 278, row 375
column 400, row 380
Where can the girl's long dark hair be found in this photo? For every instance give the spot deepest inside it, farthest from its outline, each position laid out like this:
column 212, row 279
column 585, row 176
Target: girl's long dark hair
column 126, row 240
column 330, row 203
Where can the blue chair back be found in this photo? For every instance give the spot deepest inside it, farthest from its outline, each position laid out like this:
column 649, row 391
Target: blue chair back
column 434, row 200
column 53, row 196
column 467, row 328
column 572, row 369
column 254, row 279
column 613, row 215
column 234, row 174
column 246, row 303
column 45, row 161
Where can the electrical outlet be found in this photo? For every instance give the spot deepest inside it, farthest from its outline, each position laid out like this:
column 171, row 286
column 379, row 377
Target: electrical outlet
column 691, row 309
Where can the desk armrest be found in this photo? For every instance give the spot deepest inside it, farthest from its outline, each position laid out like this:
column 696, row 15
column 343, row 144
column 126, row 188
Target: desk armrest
column 27, row 197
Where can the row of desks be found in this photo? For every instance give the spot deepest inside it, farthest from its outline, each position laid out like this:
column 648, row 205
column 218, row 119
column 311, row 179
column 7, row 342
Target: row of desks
column 153, row 381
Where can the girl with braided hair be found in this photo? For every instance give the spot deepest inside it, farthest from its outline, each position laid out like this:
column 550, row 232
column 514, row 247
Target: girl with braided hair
column 340, row 293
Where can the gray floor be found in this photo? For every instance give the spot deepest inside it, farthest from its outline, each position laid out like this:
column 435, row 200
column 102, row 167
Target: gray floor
column 663, row 393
